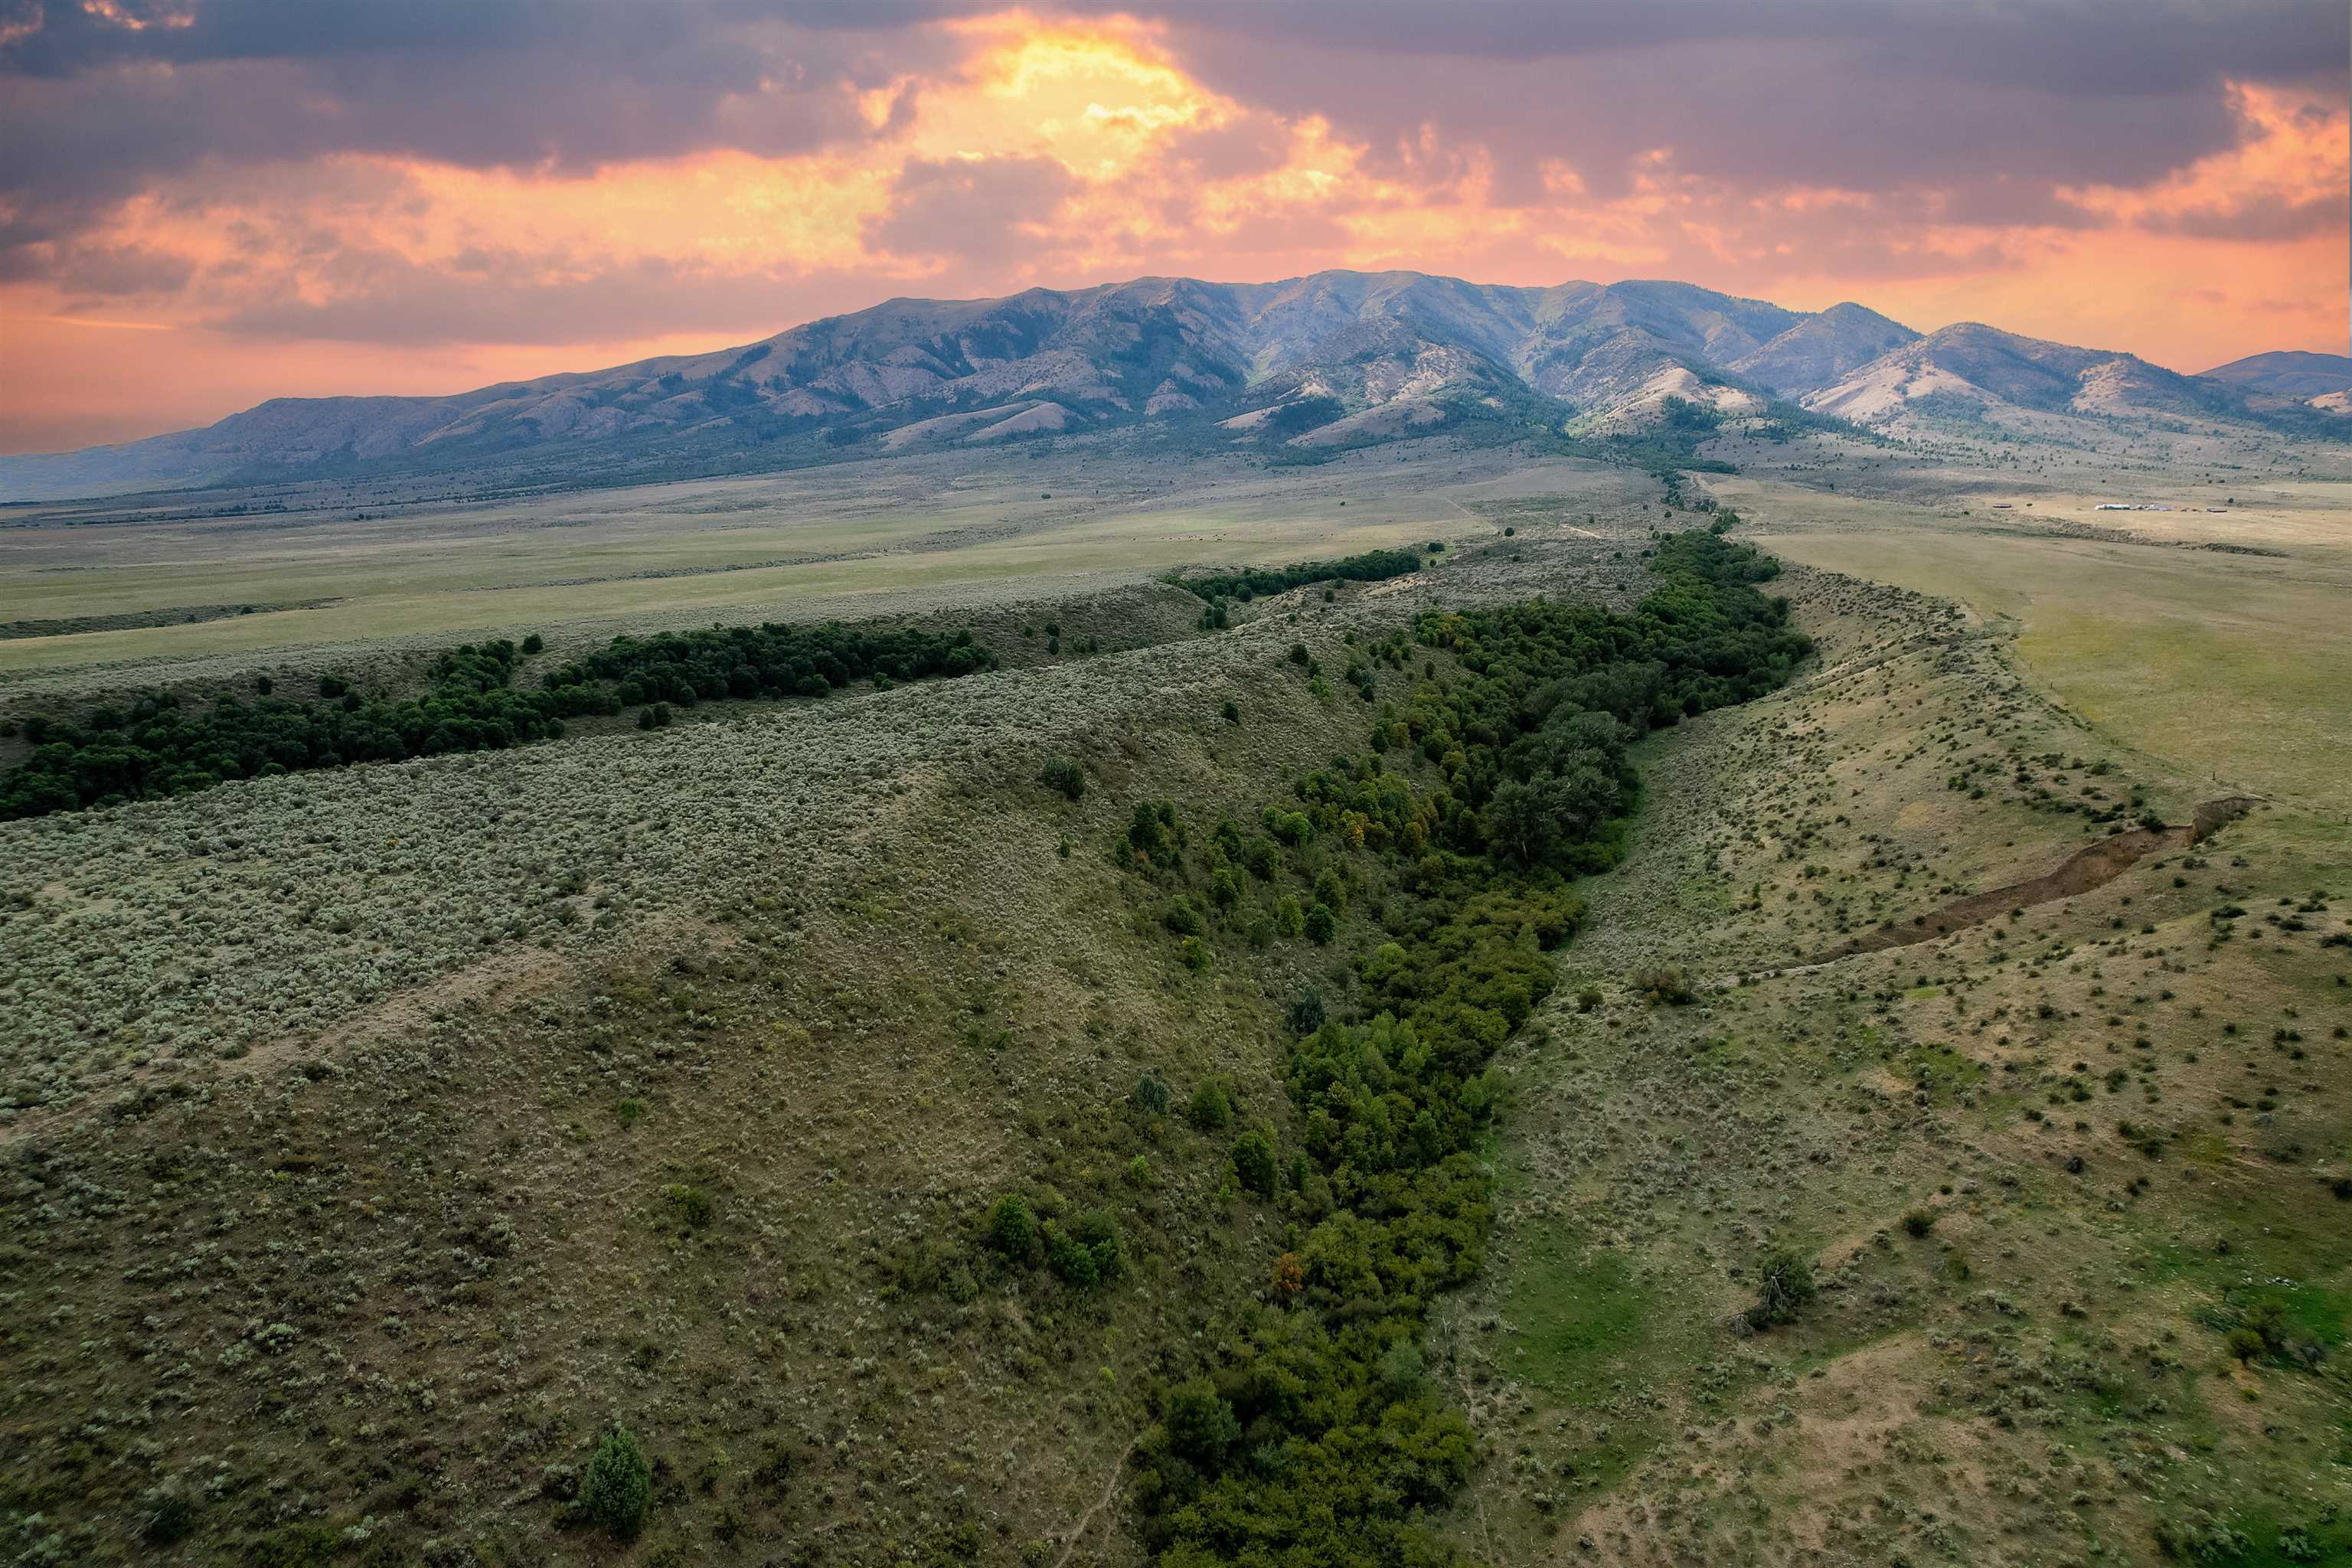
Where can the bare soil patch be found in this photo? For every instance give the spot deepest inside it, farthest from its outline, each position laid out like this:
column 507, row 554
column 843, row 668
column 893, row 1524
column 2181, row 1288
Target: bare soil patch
column 2095, row 867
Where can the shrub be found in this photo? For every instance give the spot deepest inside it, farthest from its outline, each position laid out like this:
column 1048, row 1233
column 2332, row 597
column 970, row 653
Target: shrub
column 1918, row 1223
column 1253, row 1163
column 1665, row 983
column 618, row 1487
column 1062, row 774
column 170, row 1516
column 1232, row 712
column 1149, row 837
column 2201, row 1539
column 1194, row 953
column 1090, row 1253
column 1287, row 921
column 1587, row 999
column 1212, row 1109
column 1181, row 918
column 1786, row 1290
column 1071, row 1262
column 690, row 1207
column 2267, row 1319
column 1013, row 1227
column 1321, row 923
column 534, row 643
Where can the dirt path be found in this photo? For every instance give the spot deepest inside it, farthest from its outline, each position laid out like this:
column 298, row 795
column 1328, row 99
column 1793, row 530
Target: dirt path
column 1111, row 1493
column 2091, row 868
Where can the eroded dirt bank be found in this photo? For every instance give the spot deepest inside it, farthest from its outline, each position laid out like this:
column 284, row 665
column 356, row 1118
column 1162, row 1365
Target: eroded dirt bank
column 2090, row 867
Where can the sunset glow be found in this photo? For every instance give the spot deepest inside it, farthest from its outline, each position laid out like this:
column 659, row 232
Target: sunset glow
column 980, row 155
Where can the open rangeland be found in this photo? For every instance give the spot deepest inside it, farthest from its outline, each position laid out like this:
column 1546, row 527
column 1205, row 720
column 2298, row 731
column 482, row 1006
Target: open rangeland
column 378, row 1137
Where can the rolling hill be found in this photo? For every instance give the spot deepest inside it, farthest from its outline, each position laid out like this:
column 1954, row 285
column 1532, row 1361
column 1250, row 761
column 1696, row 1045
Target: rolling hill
column 2287, row 372
column 1981, row 372
column 1329, row 360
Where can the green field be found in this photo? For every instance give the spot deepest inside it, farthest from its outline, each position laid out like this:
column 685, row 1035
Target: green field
column 2236, row 666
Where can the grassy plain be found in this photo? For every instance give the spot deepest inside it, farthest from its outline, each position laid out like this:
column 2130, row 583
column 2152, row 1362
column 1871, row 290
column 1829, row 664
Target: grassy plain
column 2236, row 666
column 870, row 538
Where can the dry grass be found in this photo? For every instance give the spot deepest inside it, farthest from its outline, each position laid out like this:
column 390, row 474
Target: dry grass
column 354, row 1291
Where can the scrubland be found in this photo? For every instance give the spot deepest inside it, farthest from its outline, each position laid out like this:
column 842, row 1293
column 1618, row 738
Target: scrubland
column 379, row 1141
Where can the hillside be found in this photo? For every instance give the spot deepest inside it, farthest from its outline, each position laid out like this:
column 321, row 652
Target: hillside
column 1331, row 360
column 385, row 1138
column 1985, row 371
column 1820, row 351
column 2287, row 372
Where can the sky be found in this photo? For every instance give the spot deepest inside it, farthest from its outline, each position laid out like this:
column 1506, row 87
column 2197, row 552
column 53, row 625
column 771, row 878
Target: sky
column 207, row 202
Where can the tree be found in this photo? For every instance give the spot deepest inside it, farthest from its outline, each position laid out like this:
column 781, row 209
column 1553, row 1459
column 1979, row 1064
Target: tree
column 618, row 1486
column 1201, row 1426
column 1211, row 1108
column 1153, row 1093
column 1253, row 1163
column 1013, row 1227
column 1786, row 1290
column 1062, row 774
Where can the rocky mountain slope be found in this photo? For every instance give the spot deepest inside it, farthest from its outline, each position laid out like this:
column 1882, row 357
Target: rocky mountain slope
column 1982, row 371
column 1333, row 359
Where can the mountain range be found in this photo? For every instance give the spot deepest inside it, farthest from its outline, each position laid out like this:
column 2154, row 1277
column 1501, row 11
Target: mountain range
column 1331, row 360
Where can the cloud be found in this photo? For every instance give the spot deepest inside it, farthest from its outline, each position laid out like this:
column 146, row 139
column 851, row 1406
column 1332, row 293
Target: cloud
column 418, row 184
column 975, row 211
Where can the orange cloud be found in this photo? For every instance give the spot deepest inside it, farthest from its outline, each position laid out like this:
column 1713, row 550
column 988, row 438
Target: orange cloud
column 1066, row 153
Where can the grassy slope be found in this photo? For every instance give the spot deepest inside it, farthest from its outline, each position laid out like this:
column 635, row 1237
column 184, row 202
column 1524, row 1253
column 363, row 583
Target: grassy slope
column 2042, row 1377
column 854, row 991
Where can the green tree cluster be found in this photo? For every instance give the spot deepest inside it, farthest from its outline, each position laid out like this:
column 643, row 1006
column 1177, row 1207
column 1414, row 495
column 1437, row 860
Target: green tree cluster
column 1316, row 1436
column 159, row 746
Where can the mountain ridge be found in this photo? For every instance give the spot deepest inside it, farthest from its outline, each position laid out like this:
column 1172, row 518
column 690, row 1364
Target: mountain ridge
column 1327, row 358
